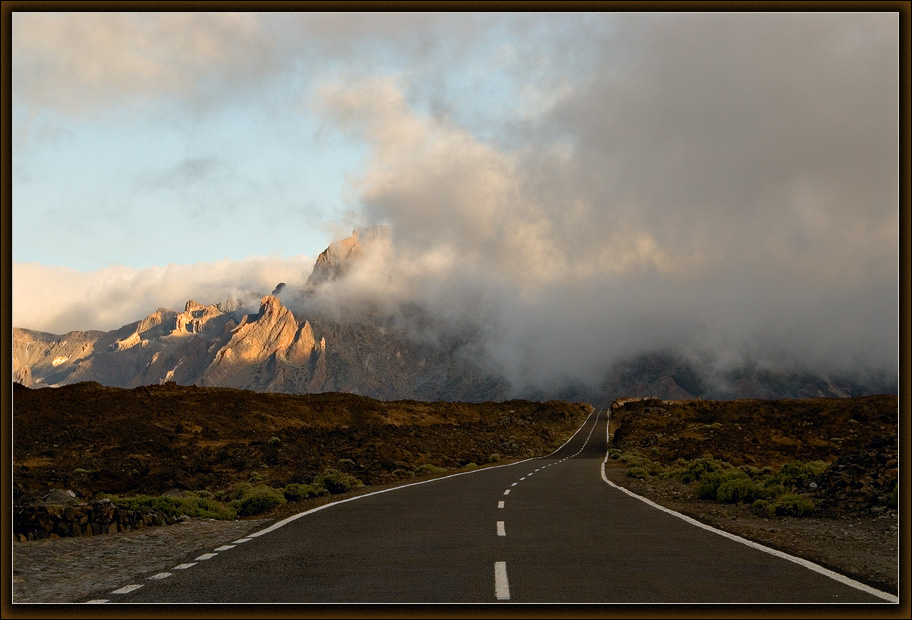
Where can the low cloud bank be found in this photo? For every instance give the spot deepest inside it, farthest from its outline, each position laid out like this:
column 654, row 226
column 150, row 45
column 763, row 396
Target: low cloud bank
column 59, row 299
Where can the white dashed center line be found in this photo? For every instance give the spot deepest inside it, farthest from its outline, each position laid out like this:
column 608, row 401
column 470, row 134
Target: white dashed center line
column 206, row 556
column 501, row 585
column 126, row 589
column 160, row 576
column 224, row 547
column 507, row 492
column 500, row 529
column 500, row 504
column 184, row 566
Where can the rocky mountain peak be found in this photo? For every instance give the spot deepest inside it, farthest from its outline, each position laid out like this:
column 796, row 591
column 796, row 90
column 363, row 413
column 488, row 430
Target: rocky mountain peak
column 337, row 259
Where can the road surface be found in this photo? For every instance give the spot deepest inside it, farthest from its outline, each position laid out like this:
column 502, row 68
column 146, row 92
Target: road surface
column 549, row 530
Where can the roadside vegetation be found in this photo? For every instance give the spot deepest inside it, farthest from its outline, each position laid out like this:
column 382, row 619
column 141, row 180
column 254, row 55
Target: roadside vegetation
column 243, row 500
column 769, row 492
column 253, row 498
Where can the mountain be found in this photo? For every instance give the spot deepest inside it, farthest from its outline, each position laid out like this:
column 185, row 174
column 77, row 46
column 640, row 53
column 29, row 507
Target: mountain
column 371, row 354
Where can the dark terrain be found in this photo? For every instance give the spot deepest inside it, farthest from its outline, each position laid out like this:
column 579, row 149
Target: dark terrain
column 93, row 439
column 152, row 440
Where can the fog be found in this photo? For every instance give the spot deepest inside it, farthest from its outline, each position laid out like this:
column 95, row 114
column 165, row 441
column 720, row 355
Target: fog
column 719, row 185
column 728, row 191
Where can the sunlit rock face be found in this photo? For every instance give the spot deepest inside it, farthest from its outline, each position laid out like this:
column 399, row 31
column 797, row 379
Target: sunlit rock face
column 335, row 261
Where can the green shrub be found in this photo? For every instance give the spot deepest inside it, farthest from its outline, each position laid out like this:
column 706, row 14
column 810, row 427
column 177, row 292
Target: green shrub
column 797, row 474
column 190, row 504
column 494, row 458
column 256, row 476
column 695, row 470
column 296, row 492
column 470, row 466
column 641, row 466
column 427, row 468
column 346, row 462
column 740, row 489
column 637, row 472
column 709, row 482
column 256, row 500
column 788, row 505
column 334, row 481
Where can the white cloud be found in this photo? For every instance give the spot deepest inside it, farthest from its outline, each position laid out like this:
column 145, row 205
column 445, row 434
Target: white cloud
column 729, row 186
column 59, row 299
column 77, row 63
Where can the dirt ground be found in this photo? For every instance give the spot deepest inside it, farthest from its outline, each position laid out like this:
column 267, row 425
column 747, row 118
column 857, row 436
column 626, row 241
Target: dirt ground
column 93, row 439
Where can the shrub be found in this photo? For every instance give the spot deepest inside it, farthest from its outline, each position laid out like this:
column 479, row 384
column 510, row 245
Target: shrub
column 494, row 458
column 740, row 489
column 346, row 462
column 427, row 468
column 256, row 476
column 797, row 474
column 296, row 492
column 470, row 466
column 641, row 466
column 273, row 441
column 334, row 481
column 709, row 483
column 697, row 469
column 789, row 505
column 637, row 472
column 256, row 500
column 190, row 504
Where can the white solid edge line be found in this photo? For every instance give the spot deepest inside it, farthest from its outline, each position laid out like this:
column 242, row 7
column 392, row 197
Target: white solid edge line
column 892, row 598
column 288, row 520
column 501, row 584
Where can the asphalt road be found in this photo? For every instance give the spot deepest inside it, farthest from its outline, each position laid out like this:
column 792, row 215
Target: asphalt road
column 548, row 530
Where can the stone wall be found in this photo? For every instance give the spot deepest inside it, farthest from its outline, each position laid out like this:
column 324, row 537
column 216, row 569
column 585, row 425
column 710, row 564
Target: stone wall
column 54, row 521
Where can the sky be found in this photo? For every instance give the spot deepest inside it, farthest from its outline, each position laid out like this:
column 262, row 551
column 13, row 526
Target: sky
column 571, row 188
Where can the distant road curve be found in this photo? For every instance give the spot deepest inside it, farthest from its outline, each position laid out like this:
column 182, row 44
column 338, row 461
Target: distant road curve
column 546, row 530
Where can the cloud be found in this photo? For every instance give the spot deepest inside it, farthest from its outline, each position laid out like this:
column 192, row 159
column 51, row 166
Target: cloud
column 720, row 184
column 78, row 63
column 726, row 189
column 59, row 299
